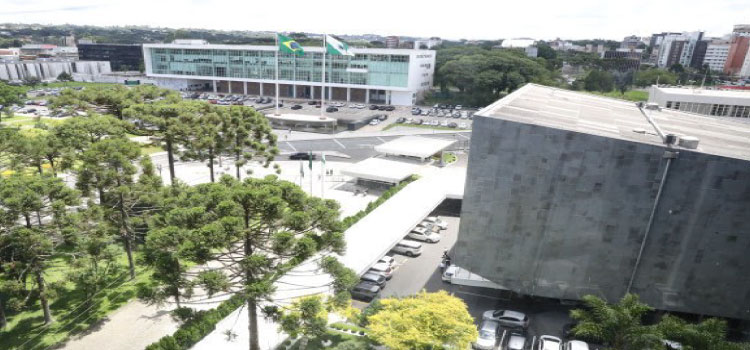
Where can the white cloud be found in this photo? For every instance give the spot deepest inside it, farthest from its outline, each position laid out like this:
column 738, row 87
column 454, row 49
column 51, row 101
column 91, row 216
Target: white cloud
column 471, row 19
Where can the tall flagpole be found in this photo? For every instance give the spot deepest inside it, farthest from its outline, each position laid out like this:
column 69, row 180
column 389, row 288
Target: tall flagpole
column 323, row 81
column 322, row 174
column 277, row 73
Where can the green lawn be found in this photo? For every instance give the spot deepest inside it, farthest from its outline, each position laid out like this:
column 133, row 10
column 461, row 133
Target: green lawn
column 65, row 84
column 422, row 126
column 631, row 95
column 68, row 309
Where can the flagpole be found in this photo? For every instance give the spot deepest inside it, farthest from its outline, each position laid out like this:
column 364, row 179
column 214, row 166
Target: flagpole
column 322, row 174
column 311, row 172
column 301, row 173
column 323, row 81
column 277, row 73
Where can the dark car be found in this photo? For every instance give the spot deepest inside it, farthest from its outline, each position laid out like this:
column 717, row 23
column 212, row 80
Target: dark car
column 452, row 125
column 296, row 107
column 301, row 156
column 312, row 102
column 365, row 291
column 400, row 120
column 382, row 117
column 416, row 111
column 332, row 109
column 390, row 108
column 374, row 107
column 374, row 278
column 382, row 108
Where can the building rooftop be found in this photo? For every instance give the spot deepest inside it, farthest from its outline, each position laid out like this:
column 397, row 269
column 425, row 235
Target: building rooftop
column 704, row 92
column 274, row 48
column 602, row 116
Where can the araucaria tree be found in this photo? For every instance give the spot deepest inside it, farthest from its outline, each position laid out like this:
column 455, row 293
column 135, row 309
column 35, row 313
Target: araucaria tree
column 257, row 228
column 27, row 246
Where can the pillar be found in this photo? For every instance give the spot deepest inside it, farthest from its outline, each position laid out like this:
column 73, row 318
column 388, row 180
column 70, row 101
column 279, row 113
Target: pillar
column 229, row 86
column 261, row 88
column 245, row 87
column 367, row 95
column 294, row 91
column 348, row 94
column 214, row 86
column 312, row 92
column 330, row 93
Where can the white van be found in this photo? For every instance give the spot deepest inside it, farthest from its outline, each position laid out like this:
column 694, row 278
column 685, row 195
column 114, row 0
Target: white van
column 408, row 248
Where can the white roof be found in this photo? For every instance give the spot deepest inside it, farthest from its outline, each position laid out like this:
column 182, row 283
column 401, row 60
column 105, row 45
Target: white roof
column 510, row 43
column 379, row 169
column 302, row 118
column 705, row 92
column 414, row 146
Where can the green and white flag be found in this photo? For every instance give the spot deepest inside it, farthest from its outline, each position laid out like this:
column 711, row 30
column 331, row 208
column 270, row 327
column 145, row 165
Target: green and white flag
column 301, row 169
column 309, row 160
column 336, row 47
column 288, row 45
column 323, row 159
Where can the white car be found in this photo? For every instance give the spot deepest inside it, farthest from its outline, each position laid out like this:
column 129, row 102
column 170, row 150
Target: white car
column 374, row 122
column 437, row 222
column 548, row 342
column 384, row 269
column 444, row 123
column 488, row 334
column 576, row 345
column 388, row 260
column 462, row 125
column 421, row 234
column 449, row 272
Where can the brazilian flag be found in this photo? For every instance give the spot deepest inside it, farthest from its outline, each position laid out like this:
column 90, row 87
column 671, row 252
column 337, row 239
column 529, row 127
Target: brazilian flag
column 288, row 45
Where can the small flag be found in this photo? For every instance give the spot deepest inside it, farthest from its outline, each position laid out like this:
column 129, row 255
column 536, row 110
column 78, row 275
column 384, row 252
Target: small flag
column 301, row 170
column 323, row 159
column 288, row 45
column 309, row 160
column 336, row 47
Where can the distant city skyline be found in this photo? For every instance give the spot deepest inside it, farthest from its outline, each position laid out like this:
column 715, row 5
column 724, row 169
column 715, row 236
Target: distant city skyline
column 468, row 19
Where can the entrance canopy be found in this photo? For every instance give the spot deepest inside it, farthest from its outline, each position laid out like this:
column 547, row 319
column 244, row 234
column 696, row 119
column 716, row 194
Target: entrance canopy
column 381, row 170
column 414, row 146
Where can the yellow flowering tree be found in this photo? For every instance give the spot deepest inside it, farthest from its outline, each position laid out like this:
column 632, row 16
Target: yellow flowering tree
column 424, row 321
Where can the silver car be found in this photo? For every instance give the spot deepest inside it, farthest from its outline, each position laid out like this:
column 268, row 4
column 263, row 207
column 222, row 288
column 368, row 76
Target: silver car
column 507, row 318
column 548, row 342
column 516, row 341
column 488, row 334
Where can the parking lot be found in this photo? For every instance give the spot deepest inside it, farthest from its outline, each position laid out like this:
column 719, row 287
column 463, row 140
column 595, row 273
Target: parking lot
column 411, row 275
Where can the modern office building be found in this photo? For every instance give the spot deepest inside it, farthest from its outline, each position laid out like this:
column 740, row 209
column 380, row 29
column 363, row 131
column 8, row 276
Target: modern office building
column 569, row 194
column 392, row 42
column 677, row 48
column 622, row 59
column 716, row 54
column 630, row 42
column 391, row 76
column 699, row 54
column 122, row 57
column 718, row 103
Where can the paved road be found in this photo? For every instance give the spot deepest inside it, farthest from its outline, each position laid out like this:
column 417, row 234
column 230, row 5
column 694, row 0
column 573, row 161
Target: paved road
column 356, row 148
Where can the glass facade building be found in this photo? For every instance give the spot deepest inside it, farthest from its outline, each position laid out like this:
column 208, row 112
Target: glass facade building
column 364, row 69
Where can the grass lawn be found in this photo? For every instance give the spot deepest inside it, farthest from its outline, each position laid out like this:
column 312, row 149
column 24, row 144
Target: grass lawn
column 68, row 309
column 148, row 149
column 393, row 125
column 27, row 122
column 65, row 84
column 630, row 95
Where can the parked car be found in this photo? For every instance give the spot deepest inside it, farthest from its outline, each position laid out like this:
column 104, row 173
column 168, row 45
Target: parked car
column 437, row 222
column 374, row 122
column 463, row 126
column 507, row 318
column 427, row 226
column 548, row 342
column 488, row 334
column 382, row 117
column 416, row 111
column 332, row 109
column 312, row 102
column 458, row 107
column 400, row 120
column 408, row 248
column 516, row 341
column 365, row 291
column 373, row 107
column 422, row 234
column 387, row 259
column 452, row 125
column 390, row 108
column 296, row 107
column 444, row 123
column 575, row 345
column 449, row 272
column 374, row 278
column 384, row 269
column 301, row 156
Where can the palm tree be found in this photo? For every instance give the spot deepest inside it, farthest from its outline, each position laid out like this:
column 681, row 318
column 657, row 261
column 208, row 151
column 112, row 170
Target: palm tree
column 709, row 334
column 618, row 326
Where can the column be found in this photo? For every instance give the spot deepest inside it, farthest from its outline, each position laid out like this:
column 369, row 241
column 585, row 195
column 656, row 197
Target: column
column 367, row 95
column 245, row 87
column 229, row 86
column 261, row 88
column 348, row 94
column 294, row 91
column 214, row 86
column 387, row 97
column 330, row 92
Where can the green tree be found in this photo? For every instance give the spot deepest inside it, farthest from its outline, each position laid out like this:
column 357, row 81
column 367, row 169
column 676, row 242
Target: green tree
column 618, row 326
column 650, row 77
column 30, row 246
column 598, row 80
column 709, row 334
column 9, row 95
column 204, row 138
column 64, row 76
column 259, row 228
column 109, row 167
column 307, row 317
column 424, row 321
column 248, row 137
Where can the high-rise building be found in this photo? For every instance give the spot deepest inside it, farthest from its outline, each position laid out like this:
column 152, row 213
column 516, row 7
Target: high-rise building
column 738, row 51
column 630, row 42
column 391, row 42
column 569, row 194
column 699, row 54
column 676, row 48
column 392, row 76
column 716, row 54
column 741, row 30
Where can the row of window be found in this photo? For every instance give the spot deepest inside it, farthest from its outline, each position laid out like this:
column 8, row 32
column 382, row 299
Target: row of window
column 719, row 110
column 217, row 53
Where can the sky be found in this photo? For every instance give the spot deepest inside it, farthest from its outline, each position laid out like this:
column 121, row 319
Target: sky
column 461, row 19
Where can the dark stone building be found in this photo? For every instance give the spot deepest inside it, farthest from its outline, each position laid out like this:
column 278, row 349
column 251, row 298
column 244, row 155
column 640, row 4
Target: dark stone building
column 121, row 57
column 569, row 194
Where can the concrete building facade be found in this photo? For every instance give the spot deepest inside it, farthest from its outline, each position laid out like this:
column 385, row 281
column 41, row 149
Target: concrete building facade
column 716, row 103
column 49, row 70
column 569, row 194
column 716, row 55
column 390, row 76
column 738, row 51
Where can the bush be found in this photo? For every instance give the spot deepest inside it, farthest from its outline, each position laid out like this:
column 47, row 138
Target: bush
column 199, row 325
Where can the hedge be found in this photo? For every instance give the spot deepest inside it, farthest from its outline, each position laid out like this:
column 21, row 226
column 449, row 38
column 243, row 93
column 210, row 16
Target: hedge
column 199, row 326
column 351, row 220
